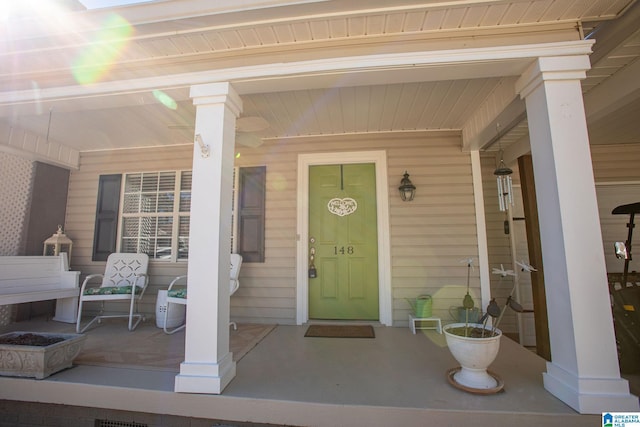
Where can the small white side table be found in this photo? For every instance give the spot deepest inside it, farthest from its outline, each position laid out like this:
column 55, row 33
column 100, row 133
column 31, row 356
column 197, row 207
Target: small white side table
column 435, row 323
column 177, row 315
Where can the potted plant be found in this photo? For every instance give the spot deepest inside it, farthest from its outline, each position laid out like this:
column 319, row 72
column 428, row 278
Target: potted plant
column 475, row 345
column 37, row 354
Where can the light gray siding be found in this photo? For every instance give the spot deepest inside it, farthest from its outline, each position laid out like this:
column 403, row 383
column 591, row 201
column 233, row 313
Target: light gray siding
column 81, row 207
column 429, row 236
column 617, row 178
column 616, row 162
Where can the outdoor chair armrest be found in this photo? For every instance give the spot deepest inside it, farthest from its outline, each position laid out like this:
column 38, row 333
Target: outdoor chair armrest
column 144, row 286
column 235, row 285
column 173, row 282
column 86, row 281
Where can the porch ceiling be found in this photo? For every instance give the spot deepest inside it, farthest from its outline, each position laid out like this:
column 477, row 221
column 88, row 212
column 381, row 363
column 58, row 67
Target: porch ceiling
column 178, row 35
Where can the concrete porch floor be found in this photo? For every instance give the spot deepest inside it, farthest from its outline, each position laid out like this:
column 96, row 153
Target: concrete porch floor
column 396, row 379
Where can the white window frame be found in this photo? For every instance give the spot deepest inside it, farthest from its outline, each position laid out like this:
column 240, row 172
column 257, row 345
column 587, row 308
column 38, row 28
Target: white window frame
column 175, row 214
column 234, row 212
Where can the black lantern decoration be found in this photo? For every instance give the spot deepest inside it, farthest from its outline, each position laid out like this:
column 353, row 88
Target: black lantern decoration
column 407, row 189
column 505, row 191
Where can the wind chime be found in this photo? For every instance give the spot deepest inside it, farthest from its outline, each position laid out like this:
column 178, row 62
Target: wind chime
column 505, row 190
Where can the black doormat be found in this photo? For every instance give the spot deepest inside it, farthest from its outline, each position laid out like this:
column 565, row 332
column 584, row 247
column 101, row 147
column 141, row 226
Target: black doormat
column 340, row 331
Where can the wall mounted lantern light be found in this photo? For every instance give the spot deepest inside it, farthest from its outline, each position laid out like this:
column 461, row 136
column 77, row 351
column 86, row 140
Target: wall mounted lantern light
column 407, row 189
column 505, row 191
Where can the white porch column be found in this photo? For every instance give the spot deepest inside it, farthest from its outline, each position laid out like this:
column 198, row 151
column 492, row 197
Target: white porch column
column 208, row 366
column 583, row 371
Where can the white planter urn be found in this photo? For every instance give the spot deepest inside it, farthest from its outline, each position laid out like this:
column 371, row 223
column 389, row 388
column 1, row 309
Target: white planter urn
column 474, row 356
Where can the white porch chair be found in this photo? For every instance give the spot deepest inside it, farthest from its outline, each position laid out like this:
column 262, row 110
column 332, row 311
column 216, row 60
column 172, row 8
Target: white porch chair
column 179, row 295
column 125, row 279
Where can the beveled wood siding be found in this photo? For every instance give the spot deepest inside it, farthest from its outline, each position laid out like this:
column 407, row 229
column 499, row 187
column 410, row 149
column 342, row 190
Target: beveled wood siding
column 81, row 208
column 617, row 177
column 616, row 172
column 428, row 236
column 616, row 162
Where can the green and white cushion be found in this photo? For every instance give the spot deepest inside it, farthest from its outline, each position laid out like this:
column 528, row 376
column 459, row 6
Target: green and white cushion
column 111, row 290
column 177, row 293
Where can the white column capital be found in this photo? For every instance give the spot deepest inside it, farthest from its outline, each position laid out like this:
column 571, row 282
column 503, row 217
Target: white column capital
column 217, row 93
column 551, row 68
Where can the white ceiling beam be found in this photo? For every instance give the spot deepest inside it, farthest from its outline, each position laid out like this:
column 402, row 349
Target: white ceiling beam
column 612, row 34
column 495, row 125
column 517, row 149
column 498, row 56
column 31, row 146
column 186, row 16
column 492, row 121
column 615, row 92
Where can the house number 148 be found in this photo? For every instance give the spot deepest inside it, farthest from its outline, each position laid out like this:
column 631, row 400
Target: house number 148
column 342, row 250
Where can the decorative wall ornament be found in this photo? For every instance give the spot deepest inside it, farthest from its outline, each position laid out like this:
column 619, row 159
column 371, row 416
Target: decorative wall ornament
column 342, row 207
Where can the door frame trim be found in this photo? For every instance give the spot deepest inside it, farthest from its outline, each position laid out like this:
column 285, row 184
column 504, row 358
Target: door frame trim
column 379, row 159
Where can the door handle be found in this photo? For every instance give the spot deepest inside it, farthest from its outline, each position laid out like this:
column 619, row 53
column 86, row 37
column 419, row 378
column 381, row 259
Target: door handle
column 313, row 273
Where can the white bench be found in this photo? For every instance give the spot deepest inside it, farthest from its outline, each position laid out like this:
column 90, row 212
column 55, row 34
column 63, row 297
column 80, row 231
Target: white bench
column 40, row 278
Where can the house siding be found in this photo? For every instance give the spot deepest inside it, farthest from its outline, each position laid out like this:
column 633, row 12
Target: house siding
column 81, row 209
column 428, row 235
column 616, row 163
column 617, row 178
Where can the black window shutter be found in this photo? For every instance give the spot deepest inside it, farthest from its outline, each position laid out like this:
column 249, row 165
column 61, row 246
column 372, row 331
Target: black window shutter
column 106, row 227
column 251, row 201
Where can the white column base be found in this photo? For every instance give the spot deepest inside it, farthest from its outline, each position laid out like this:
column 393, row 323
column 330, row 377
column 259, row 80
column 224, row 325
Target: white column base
column 590, row 395
column 205, row 378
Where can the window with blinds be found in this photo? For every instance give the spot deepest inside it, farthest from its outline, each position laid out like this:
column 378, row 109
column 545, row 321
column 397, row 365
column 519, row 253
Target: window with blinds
column 150, row 213
column 155, row 214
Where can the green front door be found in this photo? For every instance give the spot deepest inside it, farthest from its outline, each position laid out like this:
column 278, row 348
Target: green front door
column 343, row 242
